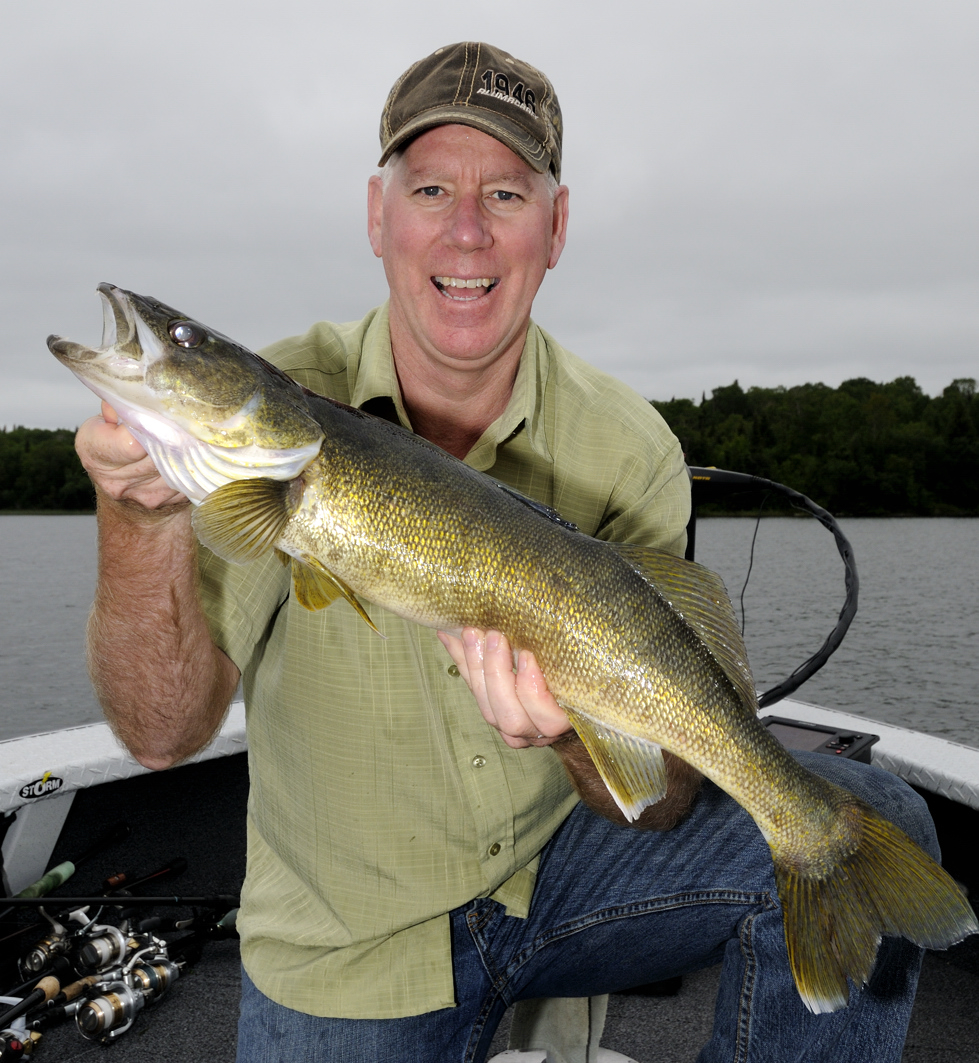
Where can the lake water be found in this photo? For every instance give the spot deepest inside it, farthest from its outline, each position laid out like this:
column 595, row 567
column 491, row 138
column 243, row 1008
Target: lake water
column 909, row 658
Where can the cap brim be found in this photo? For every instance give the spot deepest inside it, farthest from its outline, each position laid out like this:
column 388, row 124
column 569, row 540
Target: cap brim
column 518, row 140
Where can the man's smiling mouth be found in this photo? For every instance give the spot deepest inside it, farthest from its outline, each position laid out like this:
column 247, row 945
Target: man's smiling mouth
column 467, row 288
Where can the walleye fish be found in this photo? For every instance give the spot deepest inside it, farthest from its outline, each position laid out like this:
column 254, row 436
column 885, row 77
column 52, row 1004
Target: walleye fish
column 640, row 648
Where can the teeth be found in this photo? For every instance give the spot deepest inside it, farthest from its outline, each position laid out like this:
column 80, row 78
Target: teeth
column 460, row 282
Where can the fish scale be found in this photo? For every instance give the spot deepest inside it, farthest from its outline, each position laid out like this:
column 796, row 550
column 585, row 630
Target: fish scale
column 640, row 648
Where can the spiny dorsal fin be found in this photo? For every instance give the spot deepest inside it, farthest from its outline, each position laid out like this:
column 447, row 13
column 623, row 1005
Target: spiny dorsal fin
column 539, row 507
column 317, row 587
column 701, row 598
column 632, row 768
column 242, row 520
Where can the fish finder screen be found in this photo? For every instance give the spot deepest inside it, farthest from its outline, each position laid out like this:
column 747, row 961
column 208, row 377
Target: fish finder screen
column 799, row 737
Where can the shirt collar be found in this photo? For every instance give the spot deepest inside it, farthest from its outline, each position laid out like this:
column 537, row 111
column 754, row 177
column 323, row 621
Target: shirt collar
column 375, row 378
column 372, row 367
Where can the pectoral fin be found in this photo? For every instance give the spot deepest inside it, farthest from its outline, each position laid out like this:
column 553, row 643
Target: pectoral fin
column 242, row 520
column 317, row 587
column 632, row 768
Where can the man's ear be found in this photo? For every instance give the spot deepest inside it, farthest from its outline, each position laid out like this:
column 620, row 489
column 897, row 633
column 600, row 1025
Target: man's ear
column 375, row 212
column 559, row 225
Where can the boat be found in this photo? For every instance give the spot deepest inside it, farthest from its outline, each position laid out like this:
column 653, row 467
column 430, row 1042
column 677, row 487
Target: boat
column 60, row 791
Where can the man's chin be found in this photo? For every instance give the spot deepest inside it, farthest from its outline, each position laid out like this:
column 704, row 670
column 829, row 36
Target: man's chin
column 478, row 314
column 469, row 333
column 462, row 340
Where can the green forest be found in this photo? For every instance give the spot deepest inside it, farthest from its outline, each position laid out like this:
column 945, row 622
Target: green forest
column 862, row 449
column 39, row 470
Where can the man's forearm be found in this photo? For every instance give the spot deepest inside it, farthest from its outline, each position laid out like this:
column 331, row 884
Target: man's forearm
column 162, row 682
column 683, row 784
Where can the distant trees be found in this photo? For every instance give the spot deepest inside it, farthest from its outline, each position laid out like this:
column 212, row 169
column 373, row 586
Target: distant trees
column 862, row 449
column 39, row 469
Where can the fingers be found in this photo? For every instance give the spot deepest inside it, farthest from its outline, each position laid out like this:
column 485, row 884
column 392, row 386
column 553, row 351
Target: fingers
column 104, row 444
column 119, row 466
column 514, row 701
column 456, row 651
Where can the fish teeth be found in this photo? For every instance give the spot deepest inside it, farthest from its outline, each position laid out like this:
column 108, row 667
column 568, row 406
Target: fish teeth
column 463, row 282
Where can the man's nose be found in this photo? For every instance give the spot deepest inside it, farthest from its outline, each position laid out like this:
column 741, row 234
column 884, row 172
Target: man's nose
column 469, row 228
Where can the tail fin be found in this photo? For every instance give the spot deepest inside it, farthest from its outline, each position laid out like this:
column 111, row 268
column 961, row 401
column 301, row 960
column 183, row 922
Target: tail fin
column 834, row 920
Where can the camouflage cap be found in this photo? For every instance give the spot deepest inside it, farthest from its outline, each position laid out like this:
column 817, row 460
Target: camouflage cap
column 477, row 85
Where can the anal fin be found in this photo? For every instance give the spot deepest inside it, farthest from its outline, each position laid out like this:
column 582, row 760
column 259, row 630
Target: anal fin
column 317, row 587
column 632, row 768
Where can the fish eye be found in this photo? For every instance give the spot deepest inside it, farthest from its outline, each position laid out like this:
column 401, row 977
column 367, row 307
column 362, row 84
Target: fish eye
column 186, row 334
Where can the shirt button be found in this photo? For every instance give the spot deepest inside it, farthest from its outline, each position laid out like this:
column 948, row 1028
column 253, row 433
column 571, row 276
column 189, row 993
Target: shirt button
column 494, row 849
column 453, row 670
column 478, row 761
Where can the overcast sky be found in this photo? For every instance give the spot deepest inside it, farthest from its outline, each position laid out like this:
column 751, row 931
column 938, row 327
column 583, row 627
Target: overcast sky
column 764, row 191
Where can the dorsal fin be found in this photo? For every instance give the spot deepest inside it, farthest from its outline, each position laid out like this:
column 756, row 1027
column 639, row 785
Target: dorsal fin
column 701, row 598
column 538, row 507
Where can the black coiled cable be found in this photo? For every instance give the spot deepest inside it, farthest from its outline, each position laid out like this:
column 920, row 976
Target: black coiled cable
column 708, row 484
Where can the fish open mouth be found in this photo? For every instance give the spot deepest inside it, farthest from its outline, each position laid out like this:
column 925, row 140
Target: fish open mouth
column 119, row 339
column 118, row 318
column 465, row 289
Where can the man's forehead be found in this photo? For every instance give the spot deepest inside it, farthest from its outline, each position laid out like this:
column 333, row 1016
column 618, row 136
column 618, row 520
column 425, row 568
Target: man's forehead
column 448, row 150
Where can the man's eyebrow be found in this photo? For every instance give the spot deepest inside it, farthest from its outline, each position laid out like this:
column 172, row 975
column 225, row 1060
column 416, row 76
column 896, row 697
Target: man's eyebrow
column 436, row 177
column 517, row 177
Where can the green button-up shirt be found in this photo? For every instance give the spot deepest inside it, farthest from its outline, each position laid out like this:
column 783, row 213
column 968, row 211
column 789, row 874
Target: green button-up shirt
column 380, row 799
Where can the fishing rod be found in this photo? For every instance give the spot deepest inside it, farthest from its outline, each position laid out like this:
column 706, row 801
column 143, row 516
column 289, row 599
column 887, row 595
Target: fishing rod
column 216, row 900
column 100, row 975
column 708, row 484
column 45, row 949
column 58, row 875
column 121, row 881
column 104, row 1004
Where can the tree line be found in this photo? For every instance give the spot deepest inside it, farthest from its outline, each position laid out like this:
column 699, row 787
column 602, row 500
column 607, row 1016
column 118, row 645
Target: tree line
column 862, row 449
column 39, row 470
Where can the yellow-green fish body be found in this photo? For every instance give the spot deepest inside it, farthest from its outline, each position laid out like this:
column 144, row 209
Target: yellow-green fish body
column 639, row 647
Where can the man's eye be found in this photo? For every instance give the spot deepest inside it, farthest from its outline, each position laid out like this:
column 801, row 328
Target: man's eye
column 431, row 191
column 505, row 197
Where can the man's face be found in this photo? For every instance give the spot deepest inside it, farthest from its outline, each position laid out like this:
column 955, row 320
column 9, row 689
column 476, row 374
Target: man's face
column 461, row 207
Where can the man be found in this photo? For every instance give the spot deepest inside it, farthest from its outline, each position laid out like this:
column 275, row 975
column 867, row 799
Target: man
column 412, row 872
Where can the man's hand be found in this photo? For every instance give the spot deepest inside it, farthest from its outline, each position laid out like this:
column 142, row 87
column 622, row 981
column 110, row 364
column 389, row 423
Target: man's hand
column 517, row 703
column 118, row 465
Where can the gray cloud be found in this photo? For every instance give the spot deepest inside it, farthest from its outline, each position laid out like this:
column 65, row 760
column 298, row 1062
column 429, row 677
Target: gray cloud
column 769, row 192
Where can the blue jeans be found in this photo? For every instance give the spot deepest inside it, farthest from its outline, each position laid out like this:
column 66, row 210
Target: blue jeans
column 615, row 908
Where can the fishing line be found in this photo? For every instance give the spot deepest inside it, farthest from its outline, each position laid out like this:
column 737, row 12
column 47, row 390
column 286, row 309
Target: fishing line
column 751, row 557
column 23, row 931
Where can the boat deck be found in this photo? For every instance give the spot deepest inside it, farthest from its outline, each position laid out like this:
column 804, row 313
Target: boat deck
column 198, row 812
